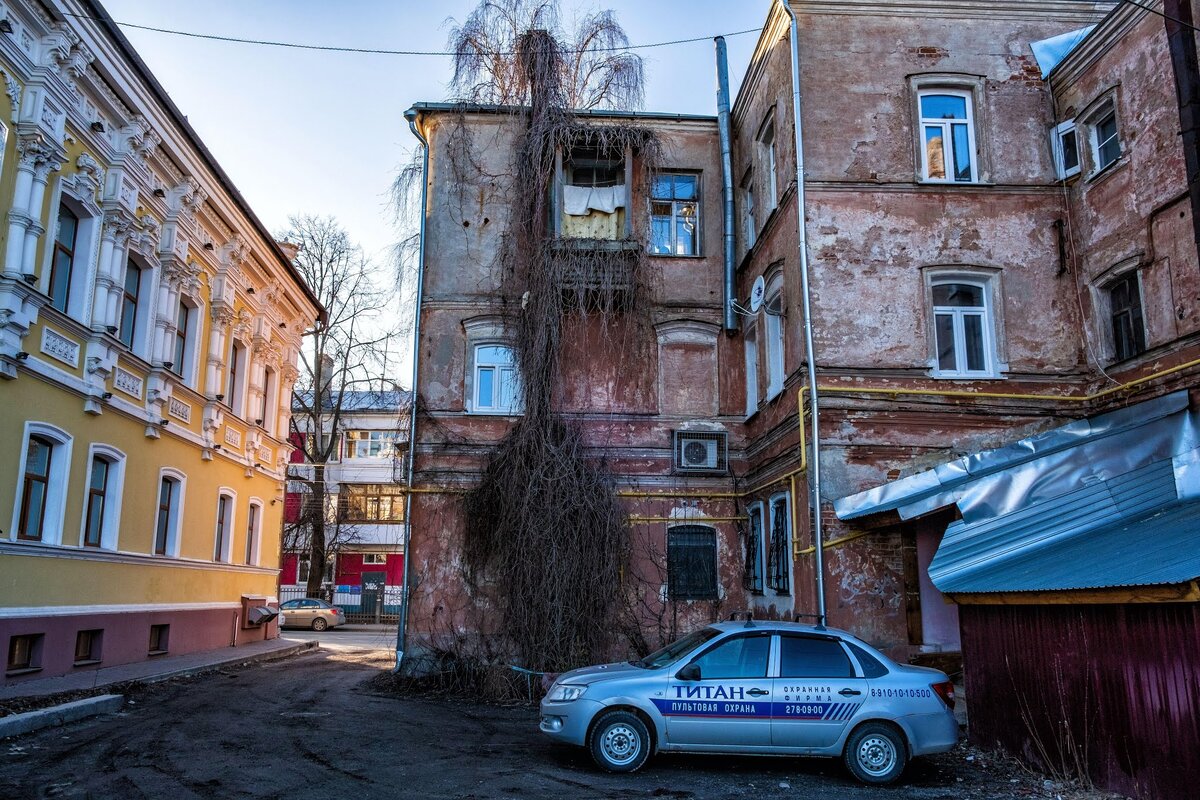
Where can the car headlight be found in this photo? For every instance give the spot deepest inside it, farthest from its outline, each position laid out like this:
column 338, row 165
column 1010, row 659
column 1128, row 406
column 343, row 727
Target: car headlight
column 565, row 693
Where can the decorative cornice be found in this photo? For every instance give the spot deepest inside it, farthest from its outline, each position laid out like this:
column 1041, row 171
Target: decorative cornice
column 1081, row 11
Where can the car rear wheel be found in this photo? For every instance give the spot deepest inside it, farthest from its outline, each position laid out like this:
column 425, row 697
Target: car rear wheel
column 620, row 742
column 319, row 624
column 876, row 753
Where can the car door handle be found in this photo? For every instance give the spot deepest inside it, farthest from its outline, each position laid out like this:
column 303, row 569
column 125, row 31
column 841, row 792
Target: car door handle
column 757, row 692
column 849, row 692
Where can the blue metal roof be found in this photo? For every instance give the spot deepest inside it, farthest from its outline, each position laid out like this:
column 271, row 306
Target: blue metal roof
column 1131, row 530
column 1051, row 52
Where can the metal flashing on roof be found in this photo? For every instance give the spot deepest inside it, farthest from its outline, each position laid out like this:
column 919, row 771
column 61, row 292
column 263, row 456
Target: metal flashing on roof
column 997, row 482
column 1051, row 52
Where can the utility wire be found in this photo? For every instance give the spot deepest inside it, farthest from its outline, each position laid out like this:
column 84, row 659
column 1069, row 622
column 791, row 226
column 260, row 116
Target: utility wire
column 1162, row 14
column 380, row 51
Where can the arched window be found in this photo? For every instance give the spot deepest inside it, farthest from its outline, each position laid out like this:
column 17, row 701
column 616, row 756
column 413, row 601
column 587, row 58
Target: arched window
column 169, row 513
column 102, row 497
column 773, row 307
column 223, row 539
column 253, row 531
column 779, row 546
column 44, row 469
column 755, row 549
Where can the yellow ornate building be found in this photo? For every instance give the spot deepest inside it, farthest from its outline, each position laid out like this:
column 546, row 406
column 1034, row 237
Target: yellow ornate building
column 149, row 333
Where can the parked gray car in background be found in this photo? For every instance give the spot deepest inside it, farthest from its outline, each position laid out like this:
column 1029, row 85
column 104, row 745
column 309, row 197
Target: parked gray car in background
column 309, row 612
column 770, row 688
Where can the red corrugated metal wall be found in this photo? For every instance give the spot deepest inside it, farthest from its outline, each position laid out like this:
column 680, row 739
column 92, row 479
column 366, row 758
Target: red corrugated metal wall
column 1117, row 684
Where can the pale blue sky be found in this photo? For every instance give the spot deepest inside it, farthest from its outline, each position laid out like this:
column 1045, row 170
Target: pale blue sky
column 319, row 132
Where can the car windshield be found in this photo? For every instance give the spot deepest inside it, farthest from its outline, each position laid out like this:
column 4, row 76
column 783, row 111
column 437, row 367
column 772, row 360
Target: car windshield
column 673, row 651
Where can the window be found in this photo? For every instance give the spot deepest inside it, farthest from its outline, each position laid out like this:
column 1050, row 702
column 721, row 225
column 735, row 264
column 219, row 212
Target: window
column 87, row 647
column 962, row 329
column 166, row 527
column 872, row 667
column 675, row 215
column 766, row 152
column 1105, row 138
column 692, row 563
column 223, row 540
column 779, row 555
column 754, row 550
column 182, row 321
column 495, row 380
column 1125, row 308
column 159, row 634
column 371, row 502
column 97, row 493
column 749, row 223
column 24, row 653
column 235, row 386
column 253, row 525
column 302, row 570
column 371, row 444
column 266, row 411
column 751, row 343
column 63, row 263
column 129, row 303
column 739, row 657
column 947, row 136
column 773, row 309
column 594, row 195
column 41, row 487
column 812, row 657
column 374, row 559
column 36, row 488
column 1064, row 141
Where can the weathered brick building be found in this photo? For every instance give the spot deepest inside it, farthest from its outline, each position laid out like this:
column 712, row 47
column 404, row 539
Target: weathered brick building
column 980, row 271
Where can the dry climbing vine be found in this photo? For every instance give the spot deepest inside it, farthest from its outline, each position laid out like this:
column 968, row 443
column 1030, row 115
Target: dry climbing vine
column 547, row 538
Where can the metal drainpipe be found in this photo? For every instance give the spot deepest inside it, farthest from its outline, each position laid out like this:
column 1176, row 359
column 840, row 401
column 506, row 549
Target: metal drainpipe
column 730, row 321
column 801, row 230
column 402, row 624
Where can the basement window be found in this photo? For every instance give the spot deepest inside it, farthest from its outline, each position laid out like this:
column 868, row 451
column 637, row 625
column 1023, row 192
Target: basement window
column 159, row 634
column 87, row 647
column 24, row 653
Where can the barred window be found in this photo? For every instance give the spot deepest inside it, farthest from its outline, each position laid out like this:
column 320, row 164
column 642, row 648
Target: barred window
column 692, row 563
column 371, row 502
column 754, row 550
column 779, row 556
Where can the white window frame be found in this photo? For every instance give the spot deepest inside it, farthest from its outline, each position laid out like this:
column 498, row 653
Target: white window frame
column 697, row 242
column 270, row 400
column 774, row 337
column 236, row 389
column 476, row 407
column 187, row 370
column 84, row 262
column 959, row 313
column 226, row 554
column 749, row 221
column 1107, row 106
column 143, row 321
column 110, row 523
column 254, row 545
column 750, row 338
column 381, row 562
column 56, row 487
column 947, row 135
column 175, row 521
column 1057, row 134
column 389, row 441
column 767, row 140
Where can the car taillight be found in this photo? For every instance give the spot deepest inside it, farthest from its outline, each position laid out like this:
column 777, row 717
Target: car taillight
column 945, row 690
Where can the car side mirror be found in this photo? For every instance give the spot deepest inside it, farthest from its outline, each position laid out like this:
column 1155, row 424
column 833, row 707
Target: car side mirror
column 689, row 673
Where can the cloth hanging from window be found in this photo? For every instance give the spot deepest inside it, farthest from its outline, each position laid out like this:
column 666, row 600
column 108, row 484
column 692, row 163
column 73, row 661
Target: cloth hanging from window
column 578, row 201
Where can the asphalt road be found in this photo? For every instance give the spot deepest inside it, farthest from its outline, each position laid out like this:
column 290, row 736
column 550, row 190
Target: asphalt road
column 311, row 727
column 350, row 637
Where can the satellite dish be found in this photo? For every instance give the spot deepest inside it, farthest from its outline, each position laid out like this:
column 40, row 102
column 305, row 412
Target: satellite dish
column 757, row 291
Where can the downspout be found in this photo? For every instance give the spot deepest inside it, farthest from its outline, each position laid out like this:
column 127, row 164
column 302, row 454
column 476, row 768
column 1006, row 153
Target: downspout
column 814, row 463
column 730, row 321
column 402, row 624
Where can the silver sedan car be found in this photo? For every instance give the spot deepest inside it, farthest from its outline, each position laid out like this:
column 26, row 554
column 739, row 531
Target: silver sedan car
column 770, row 688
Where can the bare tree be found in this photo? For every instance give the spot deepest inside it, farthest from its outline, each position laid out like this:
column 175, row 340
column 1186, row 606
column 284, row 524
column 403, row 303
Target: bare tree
column 340, row 356
column 597, row 69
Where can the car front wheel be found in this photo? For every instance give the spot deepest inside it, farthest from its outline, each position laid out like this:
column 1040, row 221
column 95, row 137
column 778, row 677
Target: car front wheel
column 620, row 742
column 876, row 754
column 319, row 624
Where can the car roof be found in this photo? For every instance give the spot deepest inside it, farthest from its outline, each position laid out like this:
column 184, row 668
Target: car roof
column 778, row 625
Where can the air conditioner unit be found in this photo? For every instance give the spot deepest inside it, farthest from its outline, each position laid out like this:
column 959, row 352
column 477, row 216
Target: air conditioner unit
column 701, row 451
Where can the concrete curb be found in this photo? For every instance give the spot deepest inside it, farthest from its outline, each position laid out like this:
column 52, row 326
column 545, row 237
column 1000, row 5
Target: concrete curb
column 30, row 721
column 254, row 658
